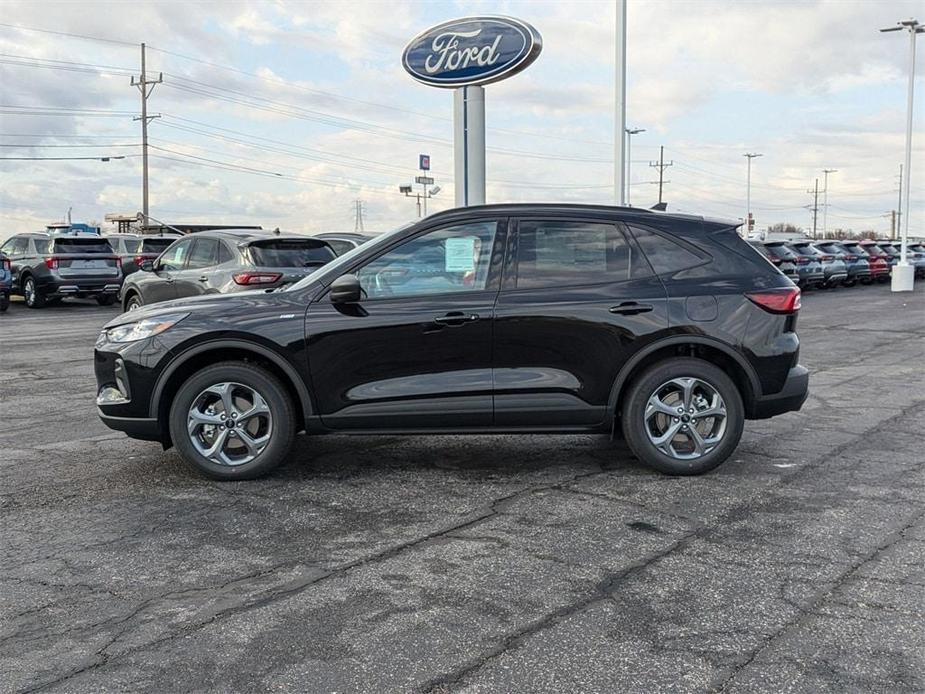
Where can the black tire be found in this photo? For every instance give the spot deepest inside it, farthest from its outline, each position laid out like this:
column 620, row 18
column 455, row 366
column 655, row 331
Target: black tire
column 132, row 303
column 648, row 383
column 33, row 295
column 849, row 283
column 4, row 302
column 251, row 376
column 105, row 299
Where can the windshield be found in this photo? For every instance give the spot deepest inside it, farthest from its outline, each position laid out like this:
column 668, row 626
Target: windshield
column 345, row 260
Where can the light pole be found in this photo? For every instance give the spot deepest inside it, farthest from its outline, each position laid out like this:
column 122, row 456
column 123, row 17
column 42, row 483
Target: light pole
column 629, row 159
column 825, row 199
column 903, row 272
column 748, row 191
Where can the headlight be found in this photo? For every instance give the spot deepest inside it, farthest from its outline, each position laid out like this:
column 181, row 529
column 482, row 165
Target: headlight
column 149, row 327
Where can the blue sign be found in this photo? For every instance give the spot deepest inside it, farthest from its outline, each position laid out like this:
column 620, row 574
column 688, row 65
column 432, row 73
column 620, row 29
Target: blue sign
column 472, row 50
column 424, row 162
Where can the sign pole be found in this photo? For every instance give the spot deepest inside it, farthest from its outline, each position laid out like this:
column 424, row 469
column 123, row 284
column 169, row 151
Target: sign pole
column 619, row 135
column 469, row 145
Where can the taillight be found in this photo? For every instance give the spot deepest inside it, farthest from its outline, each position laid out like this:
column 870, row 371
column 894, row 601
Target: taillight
column 828, row 258
column 139, row 259
column 5, row 264
column 257, row 277
column 783, row 300
column 51, row 262
column 776, row 261
column 118, row 261
column 801, row 260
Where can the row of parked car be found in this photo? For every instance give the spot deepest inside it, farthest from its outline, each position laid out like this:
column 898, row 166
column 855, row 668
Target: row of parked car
column 829, row 263
column 140, row 269
column 44, row 267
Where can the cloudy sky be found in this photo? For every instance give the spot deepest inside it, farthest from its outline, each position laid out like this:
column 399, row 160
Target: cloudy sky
column 284, row 113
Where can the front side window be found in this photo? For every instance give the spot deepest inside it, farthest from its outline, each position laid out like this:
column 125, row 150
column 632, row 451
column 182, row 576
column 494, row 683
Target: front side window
column 174, row 258
column 665, row 255
column 552, row 253
column 14, row 247
column 443, row 261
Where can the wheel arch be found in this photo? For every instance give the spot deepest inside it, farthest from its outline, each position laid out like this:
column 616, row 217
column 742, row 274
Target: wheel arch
column 213, row 351
column 697, row 346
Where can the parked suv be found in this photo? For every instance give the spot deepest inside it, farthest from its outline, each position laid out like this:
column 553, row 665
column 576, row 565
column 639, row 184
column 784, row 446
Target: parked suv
column 856, row 264
column 48, row 267
column 134, row 249
column 221, row 262
column 5, row 282
column 809, row 269
column 666, row 329
column 834, row 270
column 878, row 266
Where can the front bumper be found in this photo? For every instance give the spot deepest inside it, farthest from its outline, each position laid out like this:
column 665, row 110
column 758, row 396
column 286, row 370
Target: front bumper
column 790, row 398
column 134, row 427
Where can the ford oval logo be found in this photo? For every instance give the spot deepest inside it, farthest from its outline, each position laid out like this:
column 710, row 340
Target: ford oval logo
column 473, row 50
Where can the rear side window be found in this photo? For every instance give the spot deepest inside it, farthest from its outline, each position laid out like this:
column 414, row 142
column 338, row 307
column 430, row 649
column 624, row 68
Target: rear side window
column 203, row 254
column 290, row 253
column 41, row 245
column 560, row 253
column 665, row 255
column 95, row 245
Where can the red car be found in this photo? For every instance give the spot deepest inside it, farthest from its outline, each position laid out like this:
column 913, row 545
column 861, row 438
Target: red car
column 878, row 259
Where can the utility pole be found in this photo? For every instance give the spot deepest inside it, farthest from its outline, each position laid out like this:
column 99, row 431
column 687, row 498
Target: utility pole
column 358, row 221
column 661, row 166
column 748, row 191
column 629, row 146
column 815, row 207
column 143, row 83
column 825, row 199
column 892, row 224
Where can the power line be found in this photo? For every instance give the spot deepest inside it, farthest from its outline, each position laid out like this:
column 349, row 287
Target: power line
column 70, row 35
column 661, row 166
column 103, row 158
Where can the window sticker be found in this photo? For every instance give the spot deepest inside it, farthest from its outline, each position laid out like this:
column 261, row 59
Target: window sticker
column 460, row 254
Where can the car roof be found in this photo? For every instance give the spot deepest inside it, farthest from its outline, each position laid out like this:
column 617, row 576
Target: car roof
column 347, row 235
column 567, row 208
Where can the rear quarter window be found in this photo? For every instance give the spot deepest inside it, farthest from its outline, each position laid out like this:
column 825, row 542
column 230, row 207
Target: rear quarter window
column 158, row 245
column 666, row 256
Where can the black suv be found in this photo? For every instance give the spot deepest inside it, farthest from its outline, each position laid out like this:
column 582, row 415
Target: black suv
column 669, row 329
column 48, row 267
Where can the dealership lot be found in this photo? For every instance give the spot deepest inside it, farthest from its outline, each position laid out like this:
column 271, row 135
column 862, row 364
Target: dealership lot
column 479, row 564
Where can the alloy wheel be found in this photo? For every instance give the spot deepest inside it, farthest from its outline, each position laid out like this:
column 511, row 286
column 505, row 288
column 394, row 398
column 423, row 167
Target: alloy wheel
column 29, row 291
column 685, row 418
column 229, row 423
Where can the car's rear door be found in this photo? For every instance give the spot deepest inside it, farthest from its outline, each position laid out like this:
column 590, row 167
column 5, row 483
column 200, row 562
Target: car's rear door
column 576, row 299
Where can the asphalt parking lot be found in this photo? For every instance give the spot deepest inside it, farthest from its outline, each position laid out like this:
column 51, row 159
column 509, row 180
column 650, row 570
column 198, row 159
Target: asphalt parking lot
column 474, row 564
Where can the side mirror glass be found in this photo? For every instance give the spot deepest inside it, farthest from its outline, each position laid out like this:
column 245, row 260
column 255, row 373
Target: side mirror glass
column 147, row 265
column 346, row 290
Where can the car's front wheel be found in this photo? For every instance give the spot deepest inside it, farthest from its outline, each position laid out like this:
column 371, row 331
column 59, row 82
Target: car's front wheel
column 683, row 416
column 233, row 421
column 134, row 303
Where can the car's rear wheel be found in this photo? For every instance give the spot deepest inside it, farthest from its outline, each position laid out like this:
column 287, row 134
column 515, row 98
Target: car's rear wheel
column 233, row 421
column 33, row 295
column 134, row 303
column 4, row 302
column 683, row 416
column 105, row 299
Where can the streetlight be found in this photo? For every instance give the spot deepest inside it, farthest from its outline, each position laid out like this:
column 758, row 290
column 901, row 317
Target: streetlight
column 903, row 272
column 629, row 145
column 748, row 191
column 825, row 199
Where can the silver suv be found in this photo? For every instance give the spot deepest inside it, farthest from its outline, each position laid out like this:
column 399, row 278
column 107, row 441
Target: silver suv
column 47, row 267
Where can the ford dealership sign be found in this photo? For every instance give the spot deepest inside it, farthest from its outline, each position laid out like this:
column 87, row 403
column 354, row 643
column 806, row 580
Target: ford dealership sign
column 473, row 50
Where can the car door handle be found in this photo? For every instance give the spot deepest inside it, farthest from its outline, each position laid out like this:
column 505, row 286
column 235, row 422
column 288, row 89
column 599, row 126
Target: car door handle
column 630, row 308
column 455, row 318
column 203, row 279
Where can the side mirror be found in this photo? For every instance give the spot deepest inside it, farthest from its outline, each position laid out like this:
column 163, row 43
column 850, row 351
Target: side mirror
column 346, row 290
column 147, row 265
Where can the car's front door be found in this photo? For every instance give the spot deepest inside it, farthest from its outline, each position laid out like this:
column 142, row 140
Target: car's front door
column 194, row 278
column 576, row 296
column 160, row 285
column 415, row 352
